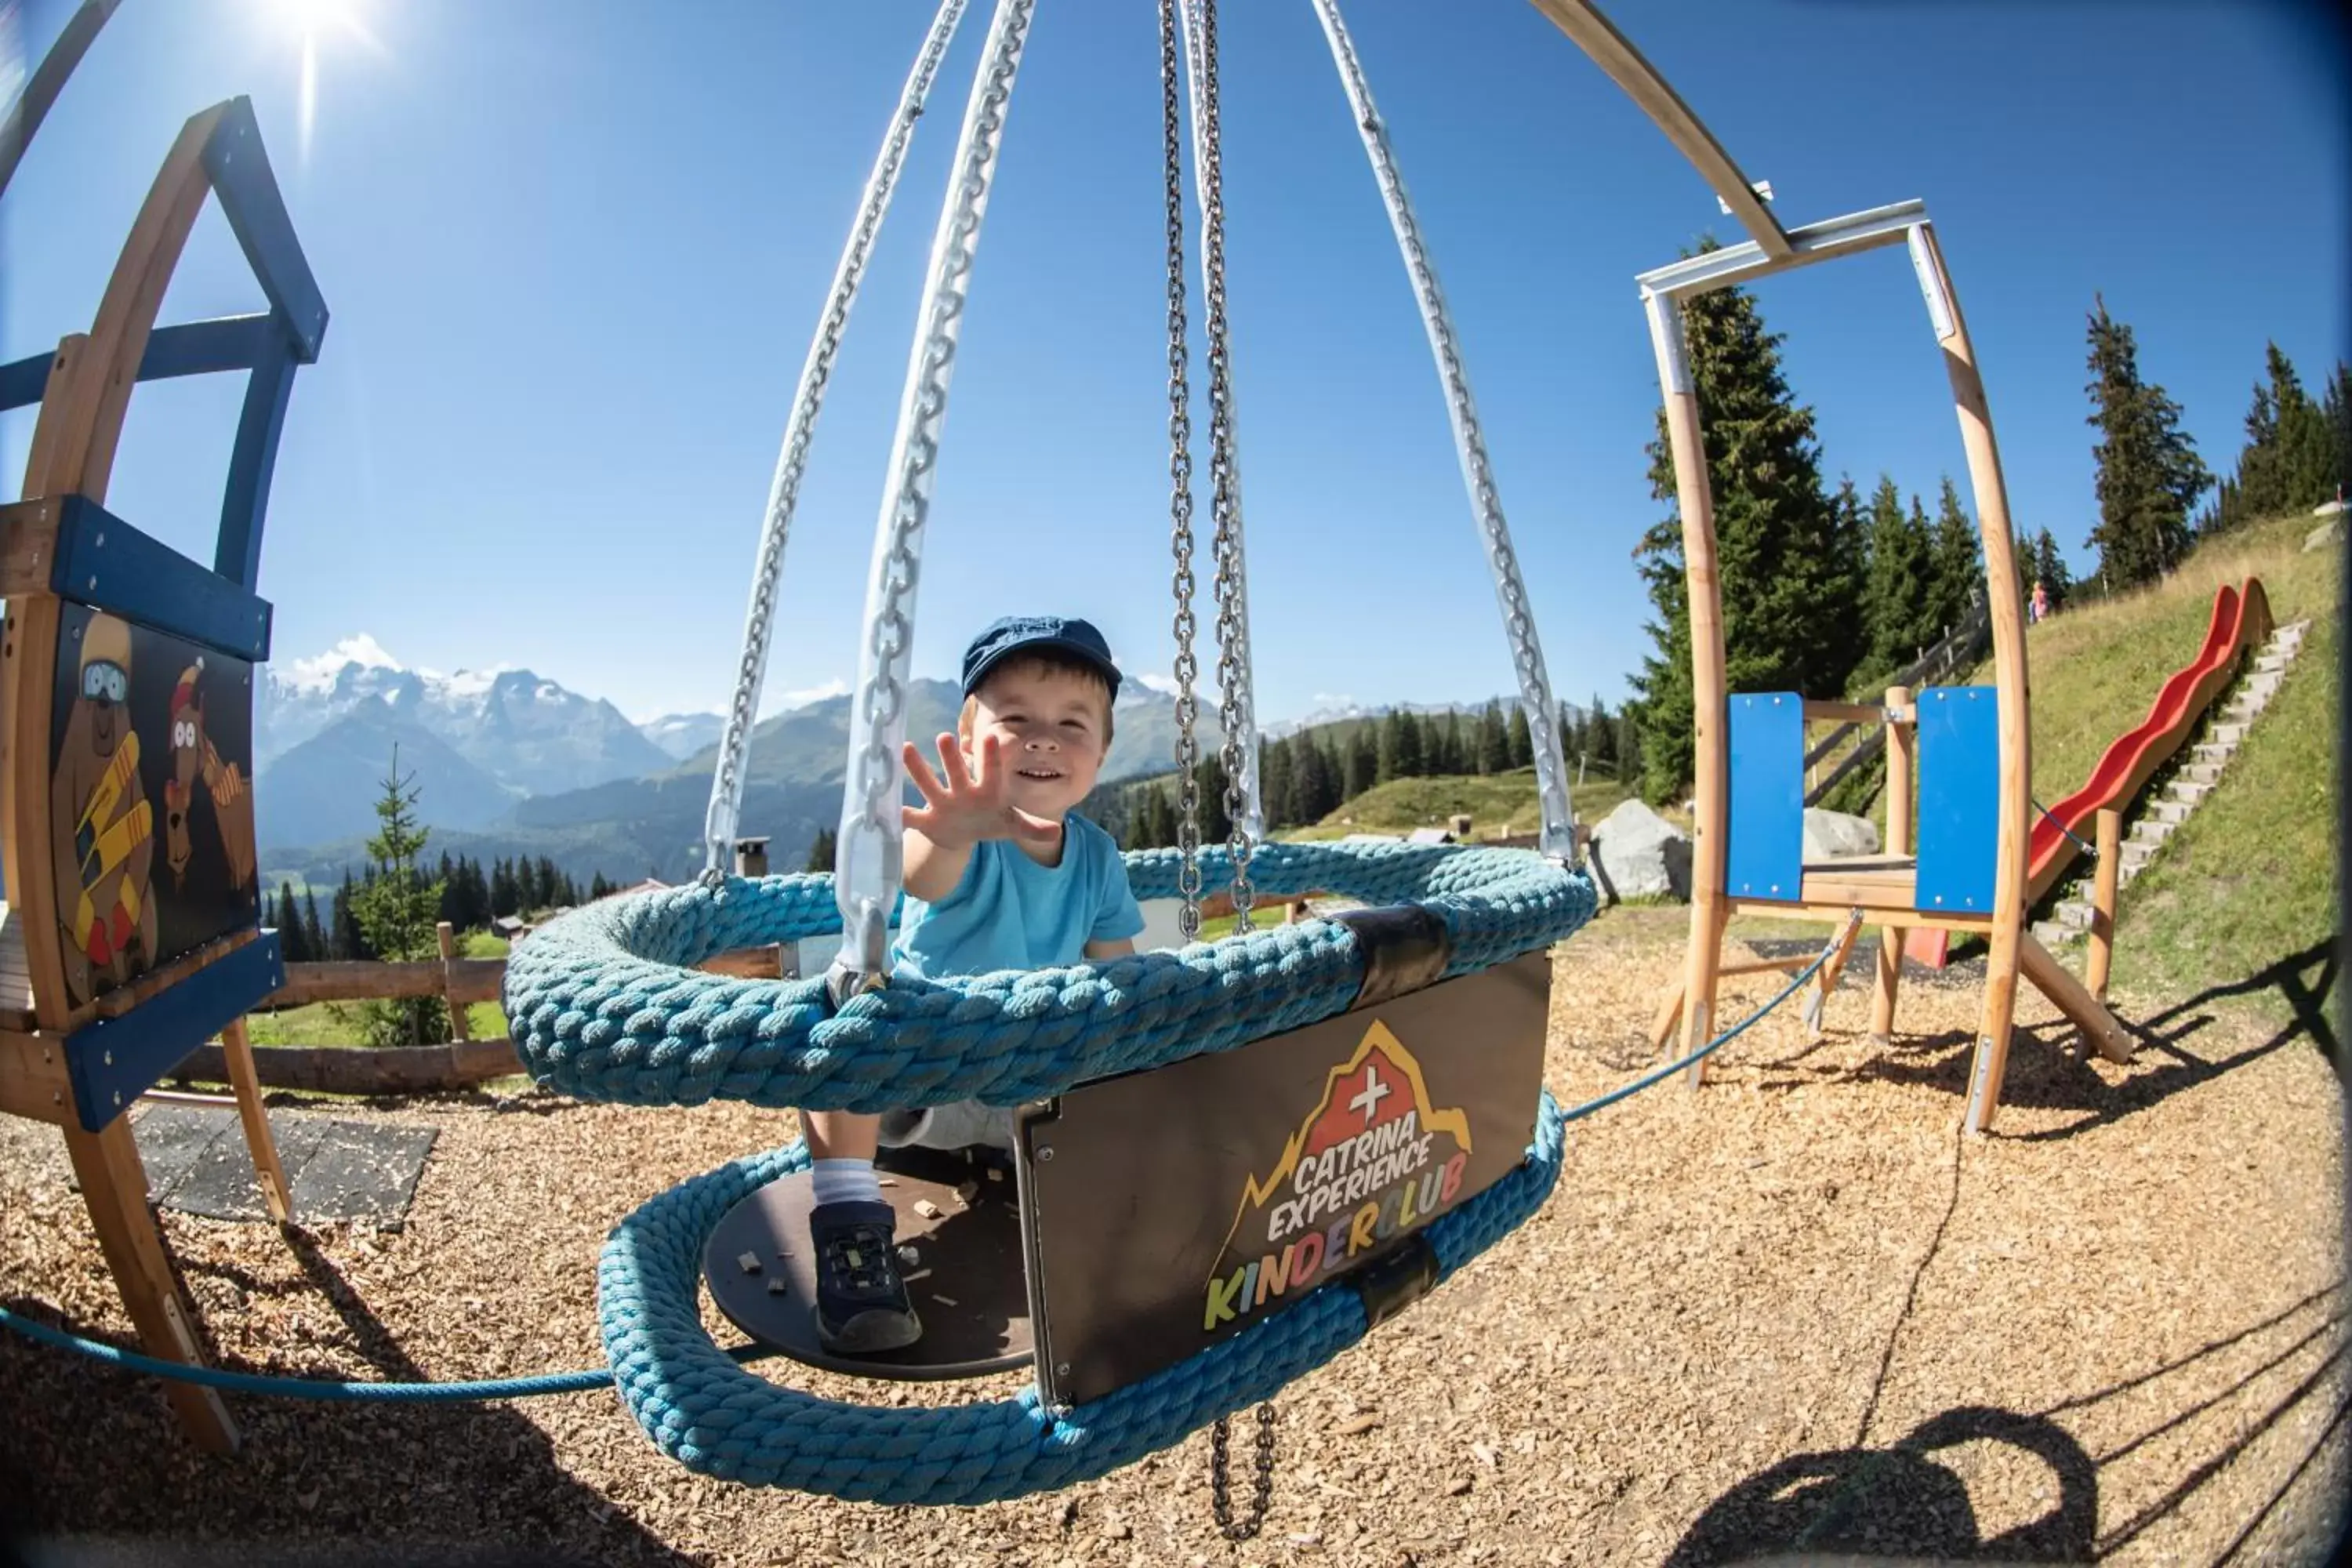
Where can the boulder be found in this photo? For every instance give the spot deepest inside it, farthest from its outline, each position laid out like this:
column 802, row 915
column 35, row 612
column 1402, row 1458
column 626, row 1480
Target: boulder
column 1637, row 854
column 1833, row 835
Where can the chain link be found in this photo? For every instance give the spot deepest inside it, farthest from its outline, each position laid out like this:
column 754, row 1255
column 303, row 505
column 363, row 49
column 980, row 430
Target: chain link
column 1221, row 1502
column 783, row 491
column 870, row 842
column 1233, row 660
column 1180, row 496
column 1558, row 837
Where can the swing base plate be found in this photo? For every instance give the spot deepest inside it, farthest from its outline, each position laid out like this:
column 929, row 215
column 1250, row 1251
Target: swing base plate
column 967, row 1284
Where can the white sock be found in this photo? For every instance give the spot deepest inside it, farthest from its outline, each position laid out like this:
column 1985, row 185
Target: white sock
column 845, row 1181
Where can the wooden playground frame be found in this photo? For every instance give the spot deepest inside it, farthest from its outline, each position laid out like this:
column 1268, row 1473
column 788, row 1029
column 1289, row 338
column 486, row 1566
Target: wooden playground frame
column 1887, row 890
column 76, row 1062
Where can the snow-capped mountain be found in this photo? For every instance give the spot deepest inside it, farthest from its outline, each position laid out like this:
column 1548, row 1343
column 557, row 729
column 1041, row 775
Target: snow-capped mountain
column 529, row 735
column 683, row 734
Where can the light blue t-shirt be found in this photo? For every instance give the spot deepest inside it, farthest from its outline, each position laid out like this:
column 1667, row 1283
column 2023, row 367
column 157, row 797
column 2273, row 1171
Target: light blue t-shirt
column 1009, row 913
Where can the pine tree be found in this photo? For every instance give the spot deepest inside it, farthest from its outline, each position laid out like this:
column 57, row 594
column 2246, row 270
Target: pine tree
column 397, row 910
column 291, row 948
column 2337, row 411
column 1958, row 569
column 1400, row 755
column 1453, row 750
column 1520, row 740
column 1363, row 768
column 599, row 888
column 1844, row 583
column 1274, row 783
column 505, row 898
column 2050, row 570
column 453, row 894
column 1787, row 599
column 2306, row 438
column 1159, row 819
column 1897, row 613
column 2149, row 475
column 1600, row 734
column 820, row 855
column 348, row 942
column 314, row 934
column 1494, row 740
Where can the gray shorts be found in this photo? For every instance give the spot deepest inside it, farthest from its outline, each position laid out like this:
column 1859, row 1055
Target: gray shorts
column 964, row 1124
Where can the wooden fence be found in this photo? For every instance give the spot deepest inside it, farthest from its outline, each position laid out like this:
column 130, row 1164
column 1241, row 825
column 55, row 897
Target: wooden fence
column 410, row 1069
column 1954, row 649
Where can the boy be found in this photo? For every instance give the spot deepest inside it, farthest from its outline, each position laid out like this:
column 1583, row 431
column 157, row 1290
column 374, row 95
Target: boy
column 999, row 874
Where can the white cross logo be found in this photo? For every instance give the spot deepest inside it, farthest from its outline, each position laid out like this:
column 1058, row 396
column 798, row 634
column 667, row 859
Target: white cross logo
column 1374, row 1092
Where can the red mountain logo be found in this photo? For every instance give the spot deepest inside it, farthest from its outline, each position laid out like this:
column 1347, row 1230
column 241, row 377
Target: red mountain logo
column 1363, row 1166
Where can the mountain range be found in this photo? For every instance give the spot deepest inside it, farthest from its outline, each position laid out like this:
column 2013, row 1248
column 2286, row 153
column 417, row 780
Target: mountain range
column 506, row 763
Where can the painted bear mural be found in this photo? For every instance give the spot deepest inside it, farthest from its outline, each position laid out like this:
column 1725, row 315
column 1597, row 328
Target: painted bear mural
column 102, row 823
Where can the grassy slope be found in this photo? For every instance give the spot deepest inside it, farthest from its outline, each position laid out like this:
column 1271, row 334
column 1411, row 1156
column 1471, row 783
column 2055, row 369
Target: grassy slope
column 2251, row 881
column 2245, row 894
column 2095, row 671
column 1497, row 803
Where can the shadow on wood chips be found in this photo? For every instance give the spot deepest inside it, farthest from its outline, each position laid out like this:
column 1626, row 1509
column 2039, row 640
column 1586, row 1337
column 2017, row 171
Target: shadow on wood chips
column 466, row 1485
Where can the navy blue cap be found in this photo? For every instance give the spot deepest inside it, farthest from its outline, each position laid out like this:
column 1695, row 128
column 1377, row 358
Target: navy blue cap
column 1029, row 633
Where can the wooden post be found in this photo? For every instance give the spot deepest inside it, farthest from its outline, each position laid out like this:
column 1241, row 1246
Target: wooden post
column 1709, row 714
column 2103, row 876
column 72, row 452
column 2002, row 597
column 114, row 1189
column 1902, row 757
column 449, row 940
column 751, row 857
column 237, row 1053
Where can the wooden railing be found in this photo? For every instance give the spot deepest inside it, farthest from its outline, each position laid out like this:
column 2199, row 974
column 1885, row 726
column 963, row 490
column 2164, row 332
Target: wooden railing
column 461, row 1063
column 1954, row 649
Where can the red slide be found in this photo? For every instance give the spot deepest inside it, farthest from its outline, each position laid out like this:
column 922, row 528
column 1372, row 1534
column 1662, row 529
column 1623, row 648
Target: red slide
column 2241, row 619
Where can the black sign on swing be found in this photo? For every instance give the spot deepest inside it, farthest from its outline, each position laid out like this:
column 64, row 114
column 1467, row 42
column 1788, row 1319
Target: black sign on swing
column 1171, row 1208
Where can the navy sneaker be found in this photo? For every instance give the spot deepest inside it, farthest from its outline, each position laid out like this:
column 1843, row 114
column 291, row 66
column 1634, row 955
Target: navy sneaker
column 861, row 1303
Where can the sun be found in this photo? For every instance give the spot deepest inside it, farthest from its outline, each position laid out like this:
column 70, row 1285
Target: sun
column 309, row 22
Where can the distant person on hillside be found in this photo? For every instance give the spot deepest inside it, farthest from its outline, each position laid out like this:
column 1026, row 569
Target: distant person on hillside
column 1000, row 873
column 2038, row 610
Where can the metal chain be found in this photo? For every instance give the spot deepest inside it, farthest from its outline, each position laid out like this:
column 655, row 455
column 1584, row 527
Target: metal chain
column 783, row 491
column 1180, row 497
column 1233, row 666
column 869, row 857
column 1221, row 1502
column 1559, row 837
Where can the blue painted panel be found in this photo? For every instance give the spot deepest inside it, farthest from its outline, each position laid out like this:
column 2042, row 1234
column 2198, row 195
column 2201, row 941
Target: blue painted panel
column 1764, row 855
column 112, row 1061
column 237, row 553
column 105, row 562
column 1959, row 797
column 249, row 199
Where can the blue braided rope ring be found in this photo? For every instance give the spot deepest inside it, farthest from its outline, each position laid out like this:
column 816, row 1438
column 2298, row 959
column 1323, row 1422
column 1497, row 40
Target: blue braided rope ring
column 710, row 1415
column 604, row 1004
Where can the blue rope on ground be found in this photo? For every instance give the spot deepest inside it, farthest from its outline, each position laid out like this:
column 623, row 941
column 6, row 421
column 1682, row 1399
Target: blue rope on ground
column 1658, row 1075
column 329, row 1388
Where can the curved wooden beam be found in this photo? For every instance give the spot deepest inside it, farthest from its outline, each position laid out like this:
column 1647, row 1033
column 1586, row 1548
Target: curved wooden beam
column 1609, row 49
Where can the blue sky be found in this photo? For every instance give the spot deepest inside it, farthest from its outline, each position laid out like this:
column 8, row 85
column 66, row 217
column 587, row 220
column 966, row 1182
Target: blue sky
column 575, row 252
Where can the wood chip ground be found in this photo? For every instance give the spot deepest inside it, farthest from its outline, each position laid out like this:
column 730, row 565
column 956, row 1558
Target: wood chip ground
column 1795, row 1310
